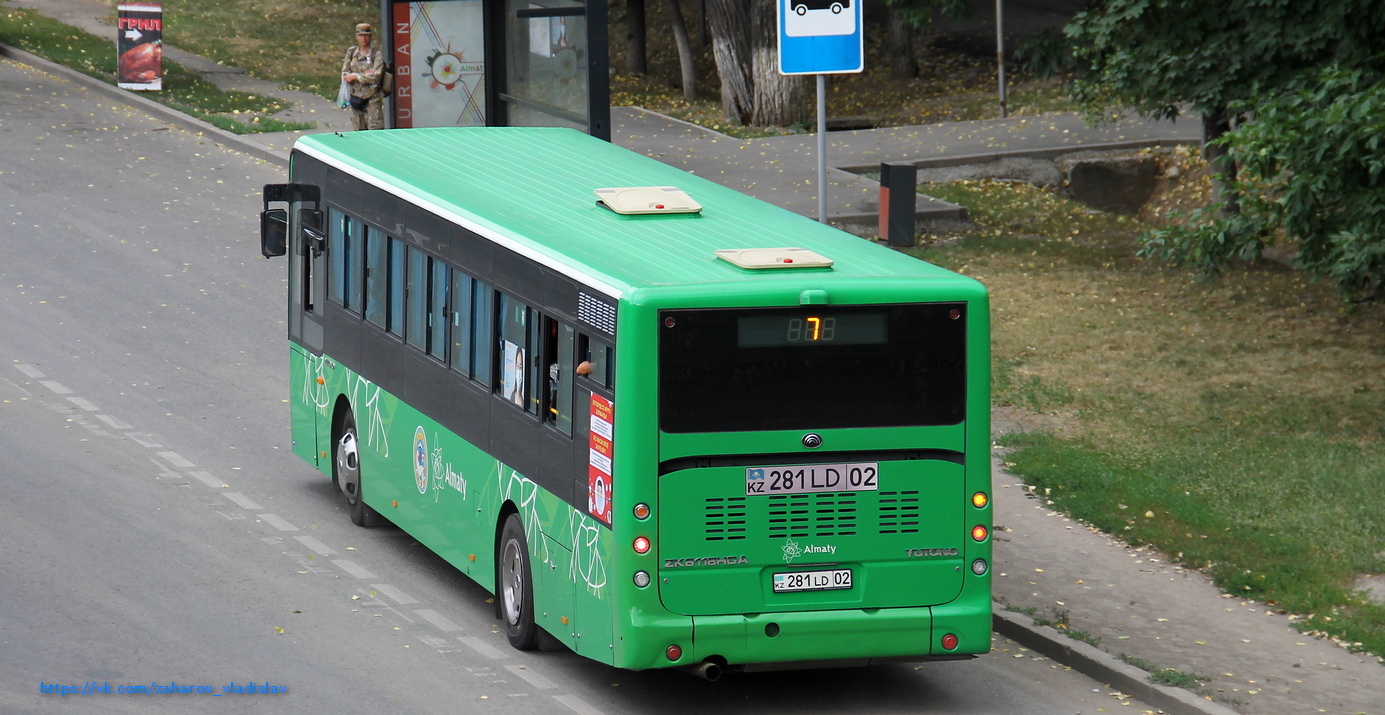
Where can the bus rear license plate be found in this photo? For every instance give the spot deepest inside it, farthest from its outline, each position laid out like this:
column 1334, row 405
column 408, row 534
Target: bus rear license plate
column 828, row 580
column 806, row 479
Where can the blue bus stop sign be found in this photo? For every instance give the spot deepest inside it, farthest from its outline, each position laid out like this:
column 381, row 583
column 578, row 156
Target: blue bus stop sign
column 820, row 37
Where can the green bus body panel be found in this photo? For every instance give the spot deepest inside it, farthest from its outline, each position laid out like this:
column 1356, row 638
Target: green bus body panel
column 303, row 409
column 530, row 190
column 447, row 493
column 918, row 506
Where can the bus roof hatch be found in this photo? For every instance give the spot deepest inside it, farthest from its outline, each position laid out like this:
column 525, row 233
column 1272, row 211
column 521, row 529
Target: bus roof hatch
column 763, row 258
column 631, row 200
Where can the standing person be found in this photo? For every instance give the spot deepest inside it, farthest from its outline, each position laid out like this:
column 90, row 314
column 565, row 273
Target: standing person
column 362, row 70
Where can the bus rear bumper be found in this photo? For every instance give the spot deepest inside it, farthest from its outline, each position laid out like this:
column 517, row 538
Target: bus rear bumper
column 817, row 639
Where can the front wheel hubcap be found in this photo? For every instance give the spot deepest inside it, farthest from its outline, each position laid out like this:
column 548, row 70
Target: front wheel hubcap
column 349, row 465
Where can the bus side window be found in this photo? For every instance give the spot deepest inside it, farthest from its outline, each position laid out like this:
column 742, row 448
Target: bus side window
column 463, row 339
column 437, row 308
column 559, row 343
column 482, row 297
column 519, row 376
column 597, row 362
column 376, row 276
column 396, row 287
column 416, row 300
column 339, row 243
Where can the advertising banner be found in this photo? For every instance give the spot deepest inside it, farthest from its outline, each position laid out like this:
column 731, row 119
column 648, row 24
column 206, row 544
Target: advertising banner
column 439, row 64
column 139, row 45
column 602, row 453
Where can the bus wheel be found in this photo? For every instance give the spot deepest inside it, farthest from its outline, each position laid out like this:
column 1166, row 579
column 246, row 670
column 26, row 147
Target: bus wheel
column 346, row 468
column 515, row 587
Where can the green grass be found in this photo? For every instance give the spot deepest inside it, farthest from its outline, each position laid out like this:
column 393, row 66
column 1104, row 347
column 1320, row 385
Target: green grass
column 184, row 90
column 1233, row 424
column 1164, row 676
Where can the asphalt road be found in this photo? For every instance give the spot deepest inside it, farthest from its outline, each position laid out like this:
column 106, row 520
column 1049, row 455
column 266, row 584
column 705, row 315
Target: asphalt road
column 157, row 531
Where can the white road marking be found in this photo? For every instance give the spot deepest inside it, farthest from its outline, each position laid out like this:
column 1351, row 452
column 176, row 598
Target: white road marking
column 55, row 386
column 30, row 370
column 317, row 546
column 536, row 680
column 245, row 502
column 400, row 597
column 113, row 422
column 209, row 480
column 84, row 403
column 144, row 441
column 177, row 460
column 577, row 704
column 351, row 567
column 442, row 622
column 482, row 647
column 277, row 522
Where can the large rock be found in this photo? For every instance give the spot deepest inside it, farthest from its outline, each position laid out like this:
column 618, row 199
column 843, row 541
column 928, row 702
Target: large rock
column 1120, row 184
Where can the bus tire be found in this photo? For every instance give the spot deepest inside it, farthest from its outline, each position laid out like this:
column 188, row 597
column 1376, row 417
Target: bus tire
column 346, row 472
column 515, row 587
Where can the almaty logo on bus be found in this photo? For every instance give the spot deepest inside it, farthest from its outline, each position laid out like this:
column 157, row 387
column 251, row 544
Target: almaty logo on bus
column 421, row 460
column 792, row 550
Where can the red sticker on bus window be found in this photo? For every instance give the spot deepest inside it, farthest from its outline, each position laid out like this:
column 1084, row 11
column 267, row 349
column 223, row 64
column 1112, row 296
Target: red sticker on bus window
column 601, row 448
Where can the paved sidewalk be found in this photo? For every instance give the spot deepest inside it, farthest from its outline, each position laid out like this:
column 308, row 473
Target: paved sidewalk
column 1132, row 600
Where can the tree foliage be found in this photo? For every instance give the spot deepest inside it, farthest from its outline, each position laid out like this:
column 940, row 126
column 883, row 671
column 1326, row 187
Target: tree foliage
column 1313, row 172
column 1300, row 82
column 1155, row 55
column 1318, row 149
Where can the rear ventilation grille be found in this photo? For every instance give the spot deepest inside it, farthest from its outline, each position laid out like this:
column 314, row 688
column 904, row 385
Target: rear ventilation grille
column 899, row 512
column 797, row 515
column 724, row 519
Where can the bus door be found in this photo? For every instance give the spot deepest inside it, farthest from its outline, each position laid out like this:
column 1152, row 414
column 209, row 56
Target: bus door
column 297, row 231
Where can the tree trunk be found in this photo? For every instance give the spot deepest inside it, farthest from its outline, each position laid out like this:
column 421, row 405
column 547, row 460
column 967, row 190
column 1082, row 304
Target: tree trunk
column 635, row 61
column 1216, row 124
column 902, row 62
column 685, row 51
column 777, row 100
column 729, row 21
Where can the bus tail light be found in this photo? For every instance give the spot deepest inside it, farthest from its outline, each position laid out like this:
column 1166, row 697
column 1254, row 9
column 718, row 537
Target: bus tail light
column 950, row 642
column 980, row 567
column 979, row 533
column 980, row 500
column 641, row 511
column 641, row 545
column 674, row 652
column 642, row 578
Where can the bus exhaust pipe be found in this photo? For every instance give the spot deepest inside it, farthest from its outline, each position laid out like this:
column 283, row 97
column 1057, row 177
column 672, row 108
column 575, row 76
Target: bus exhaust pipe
column 707, row 670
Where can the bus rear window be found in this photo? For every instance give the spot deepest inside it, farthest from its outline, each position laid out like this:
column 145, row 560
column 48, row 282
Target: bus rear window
column 829, row 367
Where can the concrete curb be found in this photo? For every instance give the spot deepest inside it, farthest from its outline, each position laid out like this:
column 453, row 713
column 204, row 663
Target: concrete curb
column 990, row 156
column 161, row 112
column 1099, row 665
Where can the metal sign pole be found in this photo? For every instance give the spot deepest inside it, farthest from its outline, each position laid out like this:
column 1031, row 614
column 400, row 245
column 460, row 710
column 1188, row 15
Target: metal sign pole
column 1000, row 50
column 822, row 148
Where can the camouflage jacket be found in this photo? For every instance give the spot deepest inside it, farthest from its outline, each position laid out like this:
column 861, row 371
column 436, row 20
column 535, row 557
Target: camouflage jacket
column 369, row 66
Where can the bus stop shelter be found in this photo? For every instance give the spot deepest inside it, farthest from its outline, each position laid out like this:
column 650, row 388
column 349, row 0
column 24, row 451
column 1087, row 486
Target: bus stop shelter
column 498, row 63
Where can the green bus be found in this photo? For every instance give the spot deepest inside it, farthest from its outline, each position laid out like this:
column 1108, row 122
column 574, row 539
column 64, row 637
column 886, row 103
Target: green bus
column 669, row 425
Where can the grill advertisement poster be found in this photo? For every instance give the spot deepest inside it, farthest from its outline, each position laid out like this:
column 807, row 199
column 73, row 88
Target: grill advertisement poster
column 139, row 45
